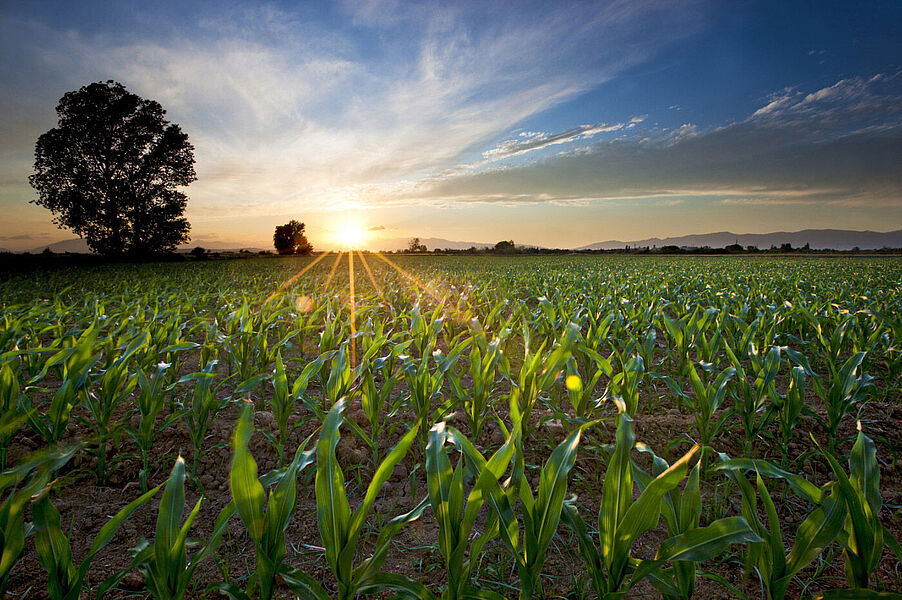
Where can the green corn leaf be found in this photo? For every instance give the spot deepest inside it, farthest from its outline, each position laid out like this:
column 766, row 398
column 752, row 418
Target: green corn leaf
column 247, row 491
column 52, row 547
column 439, row 476
column 382, row 474
column 643, row 514
column 815, row 533
column 169, row 517
column 698, row 544
column 617, row 490
column 552, row 489
column 304, row 586
column 332, row 510
column 865, row 473
column 800, row 485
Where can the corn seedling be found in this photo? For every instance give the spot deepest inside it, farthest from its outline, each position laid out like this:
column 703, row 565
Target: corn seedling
column 863, row 536
column 774, row 567
column 340, row 529
column 165, row 565
column 455, row 518
column 151, row 396
column 265, row 520
column 621, row 520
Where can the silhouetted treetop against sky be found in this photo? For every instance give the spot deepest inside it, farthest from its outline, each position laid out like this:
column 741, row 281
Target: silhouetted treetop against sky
column 290, row 239
column 110, row 171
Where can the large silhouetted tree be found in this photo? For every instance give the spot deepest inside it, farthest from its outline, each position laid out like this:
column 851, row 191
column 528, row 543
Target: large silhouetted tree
column 290, row 239
column 110, row 171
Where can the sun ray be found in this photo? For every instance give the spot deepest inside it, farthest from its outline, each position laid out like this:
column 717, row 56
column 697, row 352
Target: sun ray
column 440, row 300
column 352, row 303
column 332, row 271
column 369, row 272
column 295, row 277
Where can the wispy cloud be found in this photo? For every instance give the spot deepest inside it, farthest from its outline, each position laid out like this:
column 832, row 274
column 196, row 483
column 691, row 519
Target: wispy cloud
column 529, row 141
column 838, row 145
column 285, row 113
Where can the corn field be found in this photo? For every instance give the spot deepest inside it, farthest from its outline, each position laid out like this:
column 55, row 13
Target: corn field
column 459, row 428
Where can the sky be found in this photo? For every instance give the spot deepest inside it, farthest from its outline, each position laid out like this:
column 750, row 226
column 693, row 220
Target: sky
column 550, row 123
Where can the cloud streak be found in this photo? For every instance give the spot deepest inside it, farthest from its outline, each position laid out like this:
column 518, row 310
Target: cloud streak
column 530, row 141
column 840, row 144
column 286, row 112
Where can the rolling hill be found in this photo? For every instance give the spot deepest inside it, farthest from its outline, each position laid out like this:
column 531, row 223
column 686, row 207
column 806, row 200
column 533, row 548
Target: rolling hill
column 836, row 239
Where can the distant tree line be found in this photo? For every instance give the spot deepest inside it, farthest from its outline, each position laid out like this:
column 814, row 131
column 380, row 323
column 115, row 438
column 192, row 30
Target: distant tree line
column 509, row 247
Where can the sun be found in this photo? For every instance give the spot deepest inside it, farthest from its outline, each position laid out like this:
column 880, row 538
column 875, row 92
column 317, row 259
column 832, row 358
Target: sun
column 350, row 235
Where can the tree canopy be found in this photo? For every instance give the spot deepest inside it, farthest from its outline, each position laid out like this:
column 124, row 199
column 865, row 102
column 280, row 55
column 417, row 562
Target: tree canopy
column 110, row 171
column 505, row 246
column 290, row 239
column 414, row 245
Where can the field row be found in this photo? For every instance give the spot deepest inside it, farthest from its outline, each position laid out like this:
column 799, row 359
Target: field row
column 483, row 399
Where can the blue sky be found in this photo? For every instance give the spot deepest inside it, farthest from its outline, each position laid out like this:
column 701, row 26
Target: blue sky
column 558, row 124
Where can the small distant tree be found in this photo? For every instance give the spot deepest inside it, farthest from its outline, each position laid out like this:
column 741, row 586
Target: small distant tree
column 290, row 239
column 199, row 252
column 786, row 247
column 414, row 245
column 505, row 247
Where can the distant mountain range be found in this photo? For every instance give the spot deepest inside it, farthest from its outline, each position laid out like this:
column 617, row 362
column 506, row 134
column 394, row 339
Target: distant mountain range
column 818, row 239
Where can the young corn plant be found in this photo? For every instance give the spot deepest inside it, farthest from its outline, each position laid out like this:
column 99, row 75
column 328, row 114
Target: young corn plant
column 538, row 374
column 541, row 512
column 775, row 568
column 474, row 398
column 624, row 386
column 201, row 409
column 375, row 400
column 863, row 536
column 789, row 408
column 580, row 393
column 424, row 386
column 456, row 519
column 707, row 399
column 847, row 388
column 340, row 529
column 621, row 520
column 341, row 378
column 167, row 570
column 688, row 543
column 10, row 409
column 115, row 384
column 265, row 521
column 752, row 404
column 65, row 579
column 18, row 486
column 151, row 397
column 283, row 402
column 75, row 364
column 684, row 331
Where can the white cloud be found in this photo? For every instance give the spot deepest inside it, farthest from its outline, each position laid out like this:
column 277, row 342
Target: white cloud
column 539, row 140
column 285, row 114
column 840, row 145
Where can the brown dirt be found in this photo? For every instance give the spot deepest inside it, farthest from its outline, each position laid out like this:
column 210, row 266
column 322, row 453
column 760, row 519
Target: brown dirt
column 85, row 507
